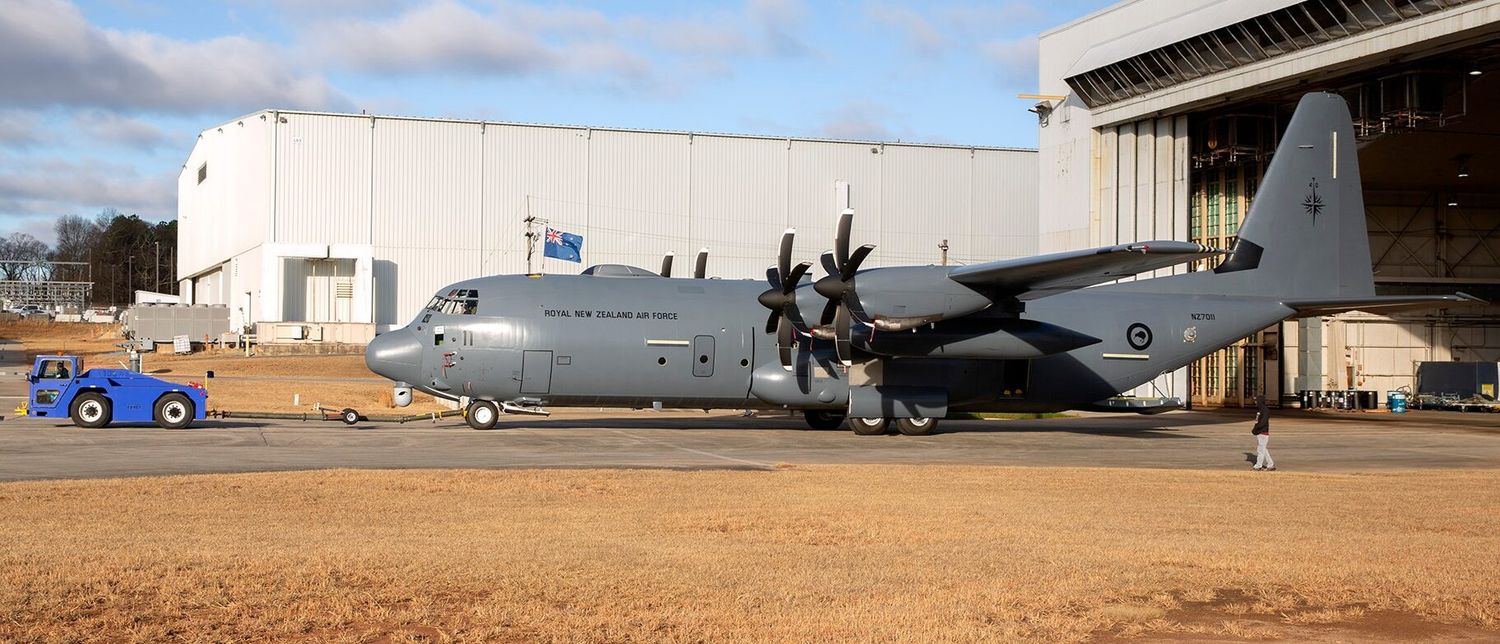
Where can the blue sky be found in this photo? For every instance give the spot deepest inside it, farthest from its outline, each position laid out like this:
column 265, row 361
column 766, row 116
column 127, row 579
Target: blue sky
column 102, row 99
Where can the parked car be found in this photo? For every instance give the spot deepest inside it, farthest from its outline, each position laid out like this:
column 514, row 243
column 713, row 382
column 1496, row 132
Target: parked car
column 32, row 311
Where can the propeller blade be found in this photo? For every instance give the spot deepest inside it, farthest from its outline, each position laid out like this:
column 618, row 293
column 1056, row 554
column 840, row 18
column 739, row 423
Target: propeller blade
column 853, row 264
column 784, row 342
column 771, row 321
column 796, row 277
column 666, row 264
column 700, row 267
column 784, row 258
column 830, row 266
column 841, row 240
column 773, row 277
column 829, row 310
column 841, row 336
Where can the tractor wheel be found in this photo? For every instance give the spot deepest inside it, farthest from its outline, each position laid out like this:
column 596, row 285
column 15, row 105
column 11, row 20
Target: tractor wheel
column 869, row 426
column 173, row 411
column 91, row 409
column 482, row 414
column 823, row 419
column 916, row 426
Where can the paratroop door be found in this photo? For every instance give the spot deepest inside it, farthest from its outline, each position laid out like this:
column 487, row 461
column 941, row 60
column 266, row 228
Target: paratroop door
column 536, row 372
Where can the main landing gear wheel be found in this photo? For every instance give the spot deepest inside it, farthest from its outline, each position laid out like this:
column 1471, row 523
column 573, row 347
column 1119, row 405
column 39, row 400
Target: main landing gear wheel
column 482, row 414
column 916, row 426
column 823, row 419
column 91, row 410
column 869, row 426
column 173, row 411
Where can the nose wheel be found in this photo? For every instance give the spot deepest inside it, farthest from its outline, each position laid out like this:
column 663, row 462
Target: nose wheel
column 482, row 414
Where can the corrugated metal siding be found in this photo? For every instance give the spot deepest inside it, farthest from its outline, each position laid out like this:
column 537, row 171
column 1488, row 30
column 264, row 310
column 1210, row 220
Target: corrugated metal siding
column 323, row 179
column 930, row 203
column 1005, row 206
column 738, row 205
column 638, row 197
column 427, row 185
column 814, row 168
column 406, row 278
column 442, row 201
column 530, row 171
column 229, row 212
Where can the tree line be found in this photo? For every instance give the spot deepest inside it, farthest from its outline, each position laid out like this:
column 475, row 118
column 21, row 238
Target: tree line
column 118, row 253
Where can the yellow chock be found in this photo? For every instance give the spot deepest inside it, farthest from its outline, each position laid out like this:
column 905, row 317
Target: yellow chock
column 22, row 409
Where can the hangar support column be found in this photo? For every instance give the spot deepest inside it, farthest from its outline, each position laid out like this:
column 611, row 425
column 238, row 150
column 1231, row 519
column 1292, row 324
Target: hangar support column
column 1141, row 194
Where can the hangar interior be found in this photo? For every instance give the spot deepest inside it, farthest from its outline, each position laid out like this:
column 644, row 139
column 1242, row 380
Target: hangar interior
column 1428, row 130
column 1204, row 89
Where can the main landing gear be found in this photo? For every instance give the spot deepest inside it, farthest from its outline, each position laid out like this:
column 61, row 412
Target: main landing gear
column 823, row 419
column 907, row 426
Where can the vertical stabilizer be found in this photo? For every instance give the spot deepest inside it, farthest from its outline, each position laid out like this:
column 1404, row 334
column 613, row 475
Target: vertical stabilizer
column 1305, row 236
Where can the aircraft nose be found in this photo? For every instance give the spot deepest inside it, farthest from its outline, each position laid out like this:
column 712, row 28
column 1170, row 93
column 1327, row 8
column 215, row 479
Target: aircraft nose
column 394, row 354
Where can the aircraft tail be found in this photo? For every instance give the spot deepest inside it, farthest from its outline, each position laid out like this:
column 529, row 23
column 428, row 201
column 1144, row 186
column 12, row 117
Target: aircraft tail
column 1304, row 238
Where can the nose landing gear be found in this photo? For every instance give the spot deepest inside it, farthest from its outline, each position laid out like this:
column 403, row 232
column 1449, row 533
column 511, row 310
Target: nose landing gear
column 482, row 414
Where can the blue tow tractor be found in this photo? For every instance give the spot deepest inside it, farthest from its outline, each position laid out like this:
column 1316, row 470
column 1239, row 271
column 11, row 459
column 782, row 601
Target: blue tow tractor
column 98, row 397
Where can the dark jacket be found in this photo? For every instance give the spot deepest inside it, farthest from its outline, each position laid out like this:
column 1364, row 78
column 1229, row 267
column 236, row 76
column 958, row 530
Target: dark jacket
column 1262, row 418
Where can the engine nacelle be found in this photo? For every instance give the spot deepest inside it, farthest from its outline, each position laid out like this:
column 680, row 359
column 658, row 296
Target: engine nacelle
column 907, row 297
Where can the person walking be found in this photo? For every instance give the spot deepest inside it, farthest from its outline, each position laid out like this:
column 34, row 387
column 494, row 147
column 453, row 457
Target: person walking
column 1262, row 432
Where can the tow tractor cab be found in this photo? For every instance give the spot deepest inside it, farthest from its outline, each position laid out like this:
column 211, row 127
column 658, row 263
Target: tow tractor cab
column 97, row 397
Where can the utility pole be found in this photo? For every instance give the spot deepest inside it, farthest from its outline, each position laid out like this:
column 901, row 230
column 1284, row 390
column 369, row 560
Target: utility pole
column 156, row 285
column 944, row 247
column 130, row 276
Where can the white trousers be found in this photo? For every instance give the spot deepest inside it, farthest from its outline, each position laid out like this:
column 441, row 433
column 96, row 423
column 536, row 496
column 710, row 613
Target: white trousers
column 1263, row 455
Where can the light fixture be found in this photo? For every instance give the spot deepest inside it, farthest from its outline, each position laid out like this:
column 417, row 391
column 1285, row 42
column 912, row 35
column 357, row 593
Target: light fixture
column 1475, row 72
column 1463, row 165
column 1453, row 202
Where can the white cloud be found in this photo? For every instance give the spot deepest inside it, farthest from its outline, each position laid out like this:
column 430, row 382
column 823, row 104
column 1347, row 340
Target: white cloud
column 859, row 121
column 52, row 187
column 120, row 130
column 53, row 56
column 921, row 36
column 780, row 22
column 19, row 129
column 439, row 36
column 1014, row 61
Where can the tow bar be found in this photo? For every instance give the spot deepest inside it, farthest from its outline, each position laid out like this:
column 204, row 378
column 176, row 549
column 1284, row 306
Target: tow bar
column 347, row 415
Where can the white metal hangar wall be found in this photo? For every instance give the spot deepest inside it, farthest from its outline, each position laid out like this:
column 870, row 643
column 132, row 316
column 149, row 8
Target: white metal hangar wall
column 355, row 219
column 1159, row 117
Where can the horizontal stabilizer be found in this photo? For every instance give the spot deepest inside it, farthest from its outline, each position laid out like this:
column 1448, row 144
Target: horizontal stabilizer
column 1380, row 304
column 1029, row 278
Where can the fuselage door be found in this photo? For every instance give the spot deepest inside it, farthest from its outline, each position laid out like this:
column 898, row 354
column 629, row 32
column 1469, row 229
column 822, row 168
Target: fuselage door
column 703, row 356
column 536, row 372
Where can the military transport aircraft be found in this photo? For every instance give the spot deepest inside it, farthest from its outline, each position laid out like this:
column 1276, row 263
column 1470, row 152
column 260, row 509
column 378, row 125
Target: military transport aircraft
column 902, row 346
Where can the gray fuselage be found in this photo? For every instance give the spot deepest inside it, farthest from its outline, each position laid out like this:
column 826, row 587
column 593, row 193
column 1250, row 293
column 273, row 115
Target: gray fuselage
column 584, row 340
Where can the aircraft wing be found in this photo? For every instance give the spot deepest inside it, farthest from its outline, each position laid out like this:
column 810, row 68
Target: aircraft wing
column 1379, row 304
column 1031, row 278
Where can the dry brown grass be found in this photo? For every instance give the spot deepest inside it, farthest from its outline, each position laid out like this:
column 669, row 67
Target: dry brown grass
column 803, row 553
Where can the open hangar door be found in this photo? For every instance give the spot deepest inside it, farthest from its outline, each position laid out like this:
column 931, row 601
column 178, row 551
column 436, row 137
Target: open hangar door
column 1429, row 154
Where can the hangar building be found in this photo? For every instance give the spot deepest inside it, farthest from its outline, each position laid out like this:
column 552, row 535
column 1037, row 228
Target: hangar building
column 317, row 226
column 1158, row 118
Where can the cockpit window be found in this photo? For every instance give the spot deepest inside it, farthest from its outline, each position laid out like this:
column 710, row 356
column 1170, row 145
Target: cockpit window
column 463, row 301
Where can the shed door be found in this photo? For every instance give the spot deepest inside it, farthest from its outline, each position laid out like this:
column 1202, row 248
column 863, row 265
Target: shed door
column 703, row 356
column 536, row 372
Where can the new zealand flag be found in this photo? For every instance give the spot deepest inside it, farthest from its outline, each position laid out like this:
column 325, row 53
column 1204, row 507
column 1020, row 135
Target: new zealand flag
column 563, row 245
